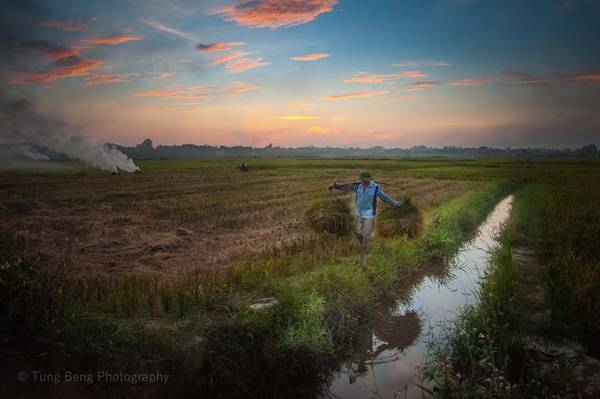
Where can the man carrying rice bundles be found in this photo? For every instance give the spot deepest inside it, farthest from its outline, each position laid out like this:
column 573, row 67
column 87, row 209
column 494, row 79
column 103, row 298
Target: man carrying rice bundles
column 366, row 191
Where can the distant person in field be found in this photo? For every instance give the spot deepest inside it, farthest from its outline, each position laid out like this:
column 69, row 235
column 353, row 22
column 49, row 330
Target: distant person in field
column 366, row 191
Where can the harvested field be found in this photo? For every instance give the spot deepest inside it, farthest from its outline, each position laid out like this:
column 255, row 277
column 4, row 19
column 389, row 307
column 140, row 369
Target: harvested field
column 171, row 219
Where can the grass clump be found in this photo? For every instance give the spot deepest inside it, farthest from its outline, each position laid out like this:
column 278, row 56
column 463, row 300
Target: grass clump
column 330, row 215
column 403, row 220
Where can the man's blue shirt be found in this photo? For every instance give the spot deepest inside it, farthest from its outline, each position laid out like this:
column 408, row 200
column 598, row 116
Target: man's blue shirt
column 366, row 198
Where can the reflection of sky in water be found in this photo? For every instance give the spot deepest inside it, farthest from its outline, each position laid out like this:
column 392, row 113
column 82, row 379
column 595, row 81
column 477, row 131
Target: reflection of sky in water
column 387, row 365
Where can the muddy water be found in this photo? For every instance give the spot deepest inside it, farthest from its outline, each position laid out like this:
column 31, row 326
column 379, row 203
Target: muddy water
column 388, row 360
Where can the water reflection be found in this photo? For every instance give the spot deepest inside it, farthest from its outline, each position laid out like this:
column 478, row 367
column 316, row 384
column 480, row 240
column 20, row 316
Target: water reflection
column 389, row 354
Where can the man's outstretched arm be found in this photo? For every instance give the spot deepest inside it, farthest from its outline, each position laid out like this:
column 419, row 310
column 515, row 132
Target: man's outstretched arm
column 387, row 198
column 348, row 187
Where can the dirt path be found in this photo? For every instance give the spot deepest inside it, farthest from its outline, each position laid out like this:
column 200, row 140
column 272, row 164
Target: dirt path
column 560, row 364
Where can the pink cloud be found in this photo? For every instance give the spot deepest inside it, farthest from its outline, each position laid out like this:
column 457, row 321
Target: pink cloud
column 423, row 85
column 310, row 57
column 116, row 39
column 65, row 25
column 273, row 13
column 354, row 95
column 67, row 68
column 245, row 64
column 240, row 87
column 396, row 99
column 50, row 51
column 225, row 46
column 108, row 79
column 381, row 78
column 227, row 57
column 158, row 93
column 473, row 81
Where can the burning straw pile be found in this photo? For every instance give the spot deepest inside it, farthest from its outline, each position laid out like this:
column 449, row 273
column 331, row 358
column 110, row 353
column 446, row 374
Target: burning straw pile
column 331, row 215
column 405, row 219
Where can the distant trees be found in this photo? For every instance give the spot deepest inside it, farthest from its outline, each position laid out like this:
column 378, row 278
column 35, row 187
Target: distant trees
column 146, row 150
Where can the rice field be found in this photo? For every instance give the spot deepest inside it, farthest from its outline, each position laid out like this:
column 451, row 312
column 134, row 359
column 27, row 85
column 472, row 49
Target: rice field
column 170, row 220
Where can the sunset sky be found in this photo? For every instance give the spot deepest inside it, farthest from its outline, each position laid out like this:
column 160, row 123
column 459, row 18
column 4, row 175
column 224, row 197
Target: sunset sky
column 321, row 72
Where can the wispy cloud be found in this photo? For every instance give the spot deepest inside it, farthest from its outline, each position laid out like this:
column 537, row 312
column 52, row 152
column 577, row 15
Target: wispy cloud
column 412, row 64
column 66, row 68
column 525, row 78
column 227, row 57
column 273, row 14
column 214, row 47
column 66, row 25
column 422, row 85
column 528, row 79
column 240, row 87
column 50, row 51
column 299, row 117
column 389, row 77
column 177, row 92
column 157, row 93
column 146, row 109
column 167, row 29
column 165, row 75
column 400, row 99
column 109, row 79
column 115, row 39
column 245, row 64
column 478, row 81
column 354, row 95
column 310, row 57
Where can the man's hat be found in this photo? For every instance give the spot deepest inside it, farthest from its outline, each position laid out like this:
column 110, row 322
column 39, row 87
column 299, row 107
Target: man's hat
column 365, row 175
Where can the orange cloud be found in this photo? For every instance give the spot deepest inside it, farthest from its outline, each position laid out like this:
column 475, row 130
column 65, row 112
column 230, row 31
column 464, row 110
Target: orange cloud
column 50, row 51
column 299, row 117
column 593, row 77
column 473, row 81
column 65, row 25
column 354, row 95
column 390, row 77
column 108, row 79
column 418, row 86
column 240, row 87
column 69, row 67
column 116, row 39
column 396, row 99
column 227, row 57
column 310, row 57
column 159, row 93
column 273, row 13
column 225, row 46
column 244, row 64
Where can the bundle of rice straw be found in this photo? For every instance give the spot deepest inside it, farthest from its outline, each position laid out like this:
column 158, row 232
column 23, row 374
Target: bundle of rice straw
column 331, row 215
column 405, row 219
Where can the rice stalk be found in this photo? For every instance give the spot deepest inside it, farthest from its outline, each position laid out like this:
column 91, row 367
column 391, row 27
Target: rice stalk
column 405, row 219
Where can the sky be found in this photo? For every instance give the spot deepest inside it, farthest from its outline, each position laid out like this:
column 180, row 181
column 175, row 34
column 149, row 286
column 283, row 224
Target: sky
column 310, row 72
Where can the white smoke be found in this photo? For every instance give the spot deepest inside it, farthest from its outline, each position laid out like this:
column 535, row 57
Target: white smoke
column 21, row 122
column 22, row 151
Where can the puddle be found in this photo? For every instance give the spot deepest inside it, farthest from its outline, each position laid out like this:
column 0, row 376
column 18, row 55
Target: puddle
column 386, row 366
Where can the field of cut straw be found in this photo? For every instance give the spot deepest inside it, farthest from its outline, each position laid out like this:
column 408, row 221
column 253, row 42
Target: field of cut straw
column 178, row 216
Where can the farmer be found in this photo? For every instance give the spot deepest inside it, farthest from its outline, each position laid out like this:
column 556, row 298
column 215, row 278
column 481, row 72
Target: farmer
column 367, row 192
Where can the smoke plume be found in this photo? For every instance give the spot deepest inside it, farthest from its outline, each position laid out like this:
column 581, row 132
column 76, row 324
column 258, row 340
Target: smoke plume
column 22, row 123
